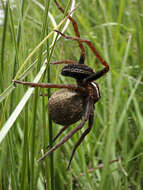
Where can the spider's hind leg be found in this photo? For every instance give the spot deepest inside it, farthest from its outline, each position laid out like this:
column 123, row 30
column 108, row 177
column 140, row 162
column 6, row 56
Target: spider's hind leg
column 90, row 123
column 91, row 46
column 58, row 134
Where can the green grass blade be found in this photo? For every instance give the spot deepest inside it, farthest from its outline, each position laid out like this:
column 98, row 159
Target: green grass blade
column 20, row 106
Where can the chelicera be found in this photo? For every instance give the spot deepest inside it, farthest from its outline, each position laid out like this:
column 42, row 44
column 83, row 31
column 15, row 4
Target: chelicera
column 86, row 86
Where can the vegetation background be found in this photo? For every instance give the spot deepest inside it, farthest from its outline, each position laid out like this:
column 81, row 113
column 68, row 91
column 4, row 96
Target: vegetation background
column 111, row 156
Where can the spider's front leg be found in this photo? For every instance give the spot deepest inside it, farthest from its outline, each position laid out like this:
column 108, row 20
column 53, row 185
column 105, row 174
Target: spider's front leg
column 65, row 106
column 91, row 46
column 75, row 26
column 50, row 85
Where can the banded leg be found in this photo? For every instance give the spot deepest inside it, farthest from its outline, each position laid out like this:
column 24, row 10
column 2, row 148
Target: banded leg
column 91, row 46
column 50, row 85
column 90, row 123
column 59, row 133
column 82, row 58
column 70, row 134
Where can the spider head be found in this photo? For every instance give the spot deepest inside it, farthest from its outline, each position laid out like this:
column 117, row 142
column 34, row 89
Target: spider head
column 77, row 71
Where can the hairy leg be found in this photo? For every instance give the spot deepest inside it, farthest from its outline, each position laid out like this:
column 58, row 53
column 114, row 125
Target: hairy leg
column 60, row 132
column 50, row 85
column 90, row 123
column 76, row 31
column 70, row 134
column 91, row 46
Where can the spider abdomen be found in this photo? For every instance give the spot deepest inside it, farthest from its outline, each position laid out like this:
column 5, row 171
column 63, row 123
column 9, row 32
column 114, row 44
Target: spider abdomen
column 77, row 71
column 65, row 107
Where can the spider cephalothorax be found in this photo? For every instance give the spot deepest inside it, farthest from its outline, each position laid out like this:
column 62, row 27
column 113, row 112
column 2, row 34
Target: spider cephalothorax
column 81, row 72
column 77, row 71
column 83, row 95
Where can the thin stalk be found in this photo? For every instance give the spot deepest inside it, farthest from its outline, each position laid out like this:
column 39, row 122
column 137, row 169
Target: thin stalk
column 3, row 46
column 13, row 35
column 49, row 173
column 16, row 43
column 2, row 62
column 24, row 168
column 36, row 98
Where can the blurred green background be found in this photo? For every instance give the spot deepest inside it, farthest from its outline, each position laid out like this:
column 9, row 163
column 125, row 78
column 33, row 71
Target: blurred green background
column 111, row 156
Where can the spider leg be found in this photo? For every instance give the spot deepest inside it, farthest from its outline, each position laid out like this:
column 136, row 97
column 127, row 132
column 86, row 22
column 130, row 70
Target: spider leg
column 90, row 123
column 76, row 33
column 64, row 62
column 59, row 133
column 50, row 85
column 91, row 46
column 70, row 134
column 96, row 75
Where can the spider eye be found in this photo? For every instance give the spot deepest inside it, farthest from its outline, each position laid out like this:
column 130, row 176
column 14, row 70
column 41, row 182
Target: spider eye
column 76, row 70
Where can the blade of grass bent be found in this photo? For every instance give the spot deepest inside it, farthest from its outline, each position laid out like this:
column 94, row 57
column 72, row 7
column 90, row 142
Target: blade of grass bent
column 53, row 20
column 20, row 106
column 39, row 45
column 10, row 87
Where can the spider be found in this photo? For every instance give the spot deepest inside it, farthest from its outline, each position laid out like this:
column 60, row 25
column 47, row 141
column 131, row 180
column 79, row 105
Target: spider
column 86, row 86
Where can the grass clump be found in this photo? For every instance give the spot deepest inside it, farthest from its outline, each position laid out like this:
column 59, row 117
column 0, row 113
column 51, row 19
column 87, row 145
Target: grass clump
column 111, row 155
